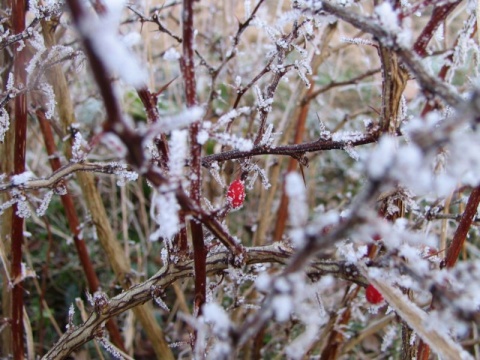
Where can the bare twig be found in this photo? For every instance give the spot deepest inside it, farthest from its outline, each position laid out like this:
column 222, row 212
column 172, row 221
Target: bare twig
column 20, row 77
column 216, row 263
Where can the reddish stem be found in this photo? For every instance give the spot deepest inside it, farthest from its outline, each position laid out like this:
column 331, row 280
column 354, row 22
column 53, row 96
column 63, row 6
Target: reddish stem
column 454, row 250
column 438, row 16
column 74, row 224
column 18, row 21
column 188, row 71
column 463, row 228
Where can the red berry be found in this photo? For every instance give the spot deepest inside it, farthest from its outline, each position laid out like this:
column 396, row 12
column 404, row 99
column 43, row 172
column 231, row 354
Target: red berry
column 236, row 194
column 372, row 295
column 376, row 237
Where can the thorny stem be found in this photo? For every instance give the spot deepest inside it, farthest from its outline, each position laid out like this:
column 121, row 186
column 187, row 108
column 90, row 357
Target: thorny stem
column 188, row 70
column 216, row 264
column 300, row 129
column 313, row 244
column 439, row 14
column 463, row 228
column 430, row 84
column 296, row 151
column 74, row 225
column 232, row 52
column 20, row 75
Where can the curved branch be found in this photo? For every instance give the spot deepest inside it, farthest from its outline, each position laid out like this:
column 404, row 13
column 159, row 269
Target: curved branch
column 216, row 263
column 62, row 173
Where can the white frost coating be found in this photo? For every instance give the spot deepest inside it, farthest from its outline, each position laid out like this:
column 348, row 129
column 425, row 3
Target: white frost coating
column 164, row 212
column 302, row 343
column 38, row 7
column 171, row 55
column 267, row 138
column 7, row 204
column 238, row 81
column 218, row 318
column 123, row 174
column 297, row 206
column 381, row 158
column 50, row 102
column 214, row 170
column 202, row 137
column 178, row 153
column 23, row 210
column 102, row 32
column 78, row 155
column 45, row 202
column 350, row 254
column 388, row 17
column 4, row 123
column 113, row 142
column 110, row 348
column 37, row 43
column 234, row 141
column 282, row 307
column 389, row 337
column 22, row 178
column 263, row 282
column 176, row 122
column 411, row 169
column 9, row 86
column 229, row 116
column 248, row 8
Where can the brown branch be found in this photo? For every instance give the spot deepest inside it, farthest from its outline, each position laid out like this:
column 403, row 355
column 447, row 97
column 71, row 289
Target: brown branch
column 232, row 52
column 187, row 64
column 61, row 174
column 334, row 84
column 463, row 228
column 154, row 19
column 20, row 77
column 114, row 252
column 296, row 151
column 429, row 83
column 439, row 15
column 216, row 264
column 23, row 35
column 302, row 113
column 74, row 225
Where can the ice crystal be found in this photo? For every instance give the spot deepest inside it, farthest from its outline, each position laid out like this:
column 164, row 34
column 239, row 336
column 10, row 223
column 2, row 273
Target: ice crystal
column 178, row 153
column 45, row 202
column 171, row 55
column 78, row 154
column 4, row 124
column 164, row 212
column 50, row 103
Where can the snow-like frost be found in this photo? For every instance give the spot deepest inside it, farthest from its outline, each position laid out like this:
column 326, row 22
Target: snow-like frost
column 381, row 158
column 388, row 17
column 178, row 153
column 297, row 205
column 217, row 317
column 45, row 202
column 103, row 34
column 175, row 122
column 4, row 123
column 282, row 307
column 171, row 55
column 50, row 102
column 78, row 154
column 164, row 212
column 22, row 178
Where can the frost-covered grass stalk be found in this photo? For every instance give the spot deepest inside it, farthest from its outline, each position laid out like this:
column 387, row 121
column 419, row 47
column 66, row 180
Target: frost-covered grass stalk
column 293, row 179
